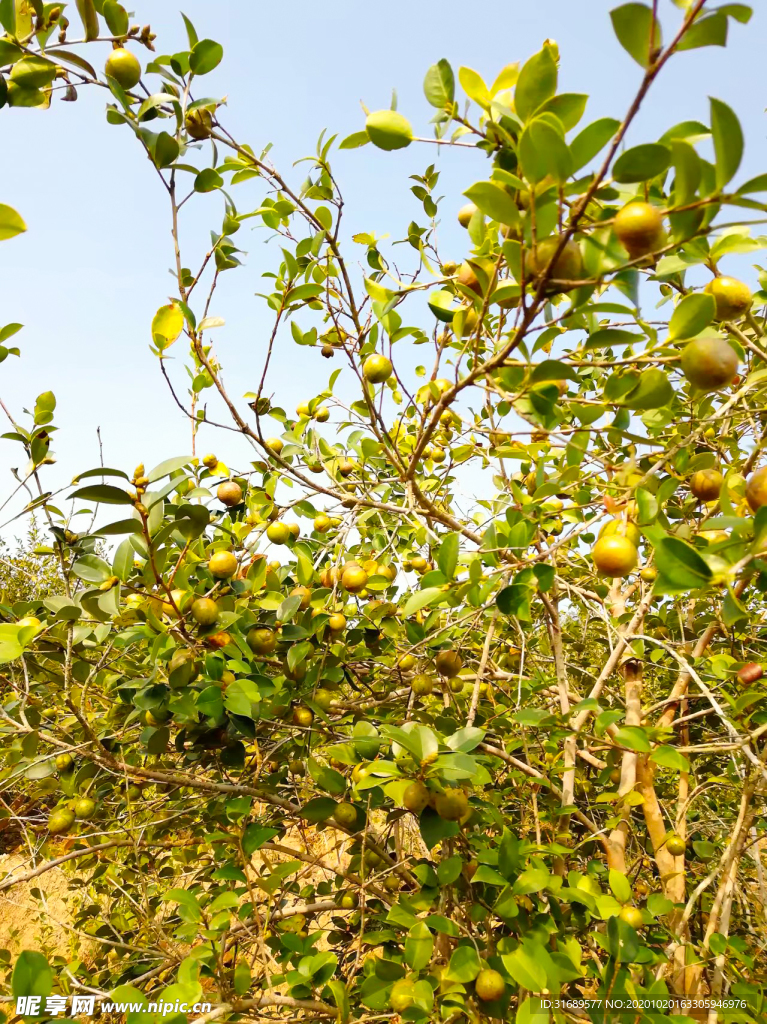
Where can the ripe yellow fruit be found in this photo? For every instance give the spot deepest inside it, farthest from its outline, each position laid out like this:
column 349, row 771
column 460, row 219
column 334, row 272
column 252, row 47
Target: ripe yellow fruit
column 622, row 528
column 489, row 985
column 709, row 363
column 733, row 297
column 452, row 805
column 337, row 622
column 261, row 640
column 322, row 523
column 402, row 995
column 274, row 444
column 377, row 369
column 568, row 265
column 469, row 279
column 706, row 484
column 29, row 621
column 639, row 228
column 354, row 578
column 205, row 611
column 61, row 820
column 322, row 415
column 64, row 762
column 466, row 213
column 449, row 663
column 229, row 493
column 303, row 717
column 294, row 530
column 303, row 410
column 416, row 797
column 124, row 67
column 278, row 533
column 632, row 916
column 223, row 564
column 614, row 556
column 304, row 593
column 756, row 489
column 210, row 461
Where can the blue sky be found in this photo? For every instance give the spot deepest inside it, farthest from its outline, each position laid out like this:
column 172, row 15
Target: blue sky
column 92, row 269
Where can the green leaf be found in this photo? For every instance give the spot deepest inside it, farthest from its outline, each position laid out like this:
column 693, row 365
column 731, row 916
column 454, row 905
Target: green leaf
column 208, row 180
column 474, row 87
column 568, row 108
column 105, row 494
column 652, row 391
column 728, row 141
column 318, row 809
column 434, row 829
column 355, row 140
column 449, row 870
column 634, row 737
column 693, row 314
column 537, row 83
column 637, row 31
column 32, row 975
column 552, row 369
column 439, row 84
column 670, row 757
column 116, row 17
column 165, row 150
column 620, row 886
column 526, row 971
column 205, row 56
column 92, row 568
column 464, row 965
column 494, row 201
column 419, row 946
column 607, row 336
column 592, row 140
column 89, row 18
column 167, row 325
column 681, row 564
column 167, row 467
column 254, row 837
column 11, row 223
column 188, row 907
column 420, row 599
column 642, row 163
column 447, row 556
column 122, row 565
column 710, row 30
column 543, row 151
column 531, row 880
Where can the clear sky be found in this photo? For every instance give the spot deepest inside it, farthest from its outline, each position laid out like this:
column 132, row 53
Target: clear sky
column 93, row 267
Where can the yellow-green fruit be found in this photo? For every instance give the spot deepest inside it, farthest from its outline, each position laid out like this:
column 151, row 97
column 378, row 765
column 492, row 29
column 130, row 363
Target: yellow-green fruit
column 449, row 663
column 349, row 901
column 406, row 662
column 322, row 415
column 756, row 489
column 64, row 762
column 324, row 699
column 709, row 363
column 416, row 797
column 29, row 620
column 706, row 484
column 204, row 611
column 567, row 267
column 124, row 67
column 649, row 574
column 261, row 640
column 229, row 493
column 676, row 845
column 388, row 129
column 455, row 684
column 632, row 916
column 422, row 685
column 466, row 213
column 377, row 369
column 223, row 564
column 639, row 227
column 622, row 528
column 346, row 815
column 354, row 579
column 303, row 717
column 337, row 622
column 199, row 124
column 469, row 279
column 733, row 297
column 278, row 533
column 61, row 820
column 452, row 805
column 84, row 808
column 322, row 523
column 614, row 556
column 274, row 444
column 489, row 985
column 402, row 995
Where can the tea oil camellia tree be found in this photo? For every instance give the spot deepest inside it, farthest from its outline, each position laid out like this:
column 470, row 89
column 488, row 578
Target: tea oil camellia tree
column 318, row 737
